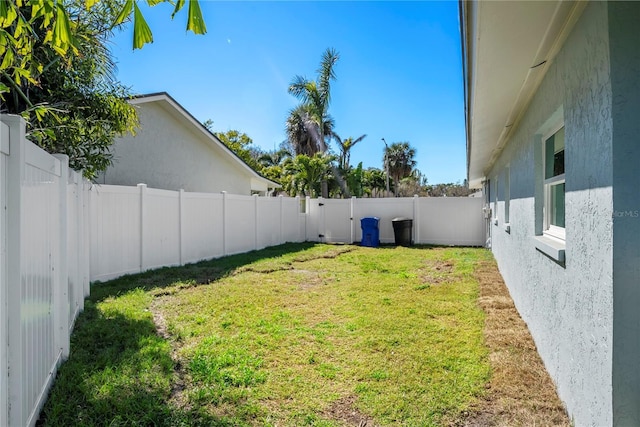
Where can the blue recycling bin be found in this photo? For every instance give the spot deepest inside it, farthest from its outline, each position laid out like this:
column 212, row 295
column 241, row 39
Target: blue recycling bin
column 370, row 231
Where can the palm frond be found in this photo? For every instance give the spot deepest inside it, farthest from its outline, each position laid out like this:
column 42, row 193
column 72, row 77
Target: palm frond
column 298, row 88
column 326, row 73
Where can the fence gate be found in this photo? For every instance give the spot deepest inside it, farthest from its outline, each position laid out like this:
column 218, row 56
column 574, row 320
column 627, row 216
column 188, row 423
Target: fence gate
column 335, row 221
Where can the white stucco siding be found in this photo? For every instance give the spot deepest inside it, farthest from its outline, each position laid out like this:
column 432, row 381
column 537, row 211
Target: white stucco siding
column 568, row 308
column 169, row 155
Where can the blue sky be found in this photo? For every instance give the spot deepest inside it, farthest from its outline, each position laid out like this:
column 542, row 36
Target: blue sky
column 399, row 73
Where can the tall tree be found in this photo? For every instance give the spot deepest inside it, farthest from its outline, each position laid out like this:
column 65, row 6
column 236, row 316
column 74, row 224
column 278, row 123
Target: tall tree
column 28, row 25
column 242, row 145
column 78, row 106
column 312, row 117
column 57, row 72
column 308, row 172
column 274, row 158
column 345, row 147
column 400, row 158
column 374, row 182
column 303, row 131
column 309, row 126
column 354, row 178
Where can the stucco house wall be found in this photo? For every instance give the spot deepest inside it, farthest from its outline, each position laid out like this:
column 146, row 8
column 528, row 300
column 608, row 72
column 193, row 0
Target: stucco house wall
column 584, row 313
column 624, row 34
column 171, row 152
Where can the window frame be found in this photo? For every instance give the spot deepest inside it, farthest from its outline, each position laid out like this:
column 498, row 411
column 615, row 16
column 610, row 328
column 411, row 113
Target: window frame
column 507, row 194
column 495, row 199
column 549, row 229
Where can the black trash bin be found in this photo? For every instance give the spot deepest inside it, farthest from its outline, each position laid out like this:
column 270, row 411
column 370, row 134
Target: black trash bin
column 370, row 231
column 402, row 228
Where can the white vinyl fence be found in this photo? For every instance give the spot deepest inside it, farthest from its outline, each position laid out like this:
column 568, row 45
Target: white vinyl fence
column 435, row 220
column 58, row 232
column 44, row 275
column 134, row 229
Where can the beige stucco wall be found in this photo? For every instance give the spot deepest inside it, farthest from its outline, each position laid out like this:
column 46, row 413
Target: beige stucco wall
column 170, row 153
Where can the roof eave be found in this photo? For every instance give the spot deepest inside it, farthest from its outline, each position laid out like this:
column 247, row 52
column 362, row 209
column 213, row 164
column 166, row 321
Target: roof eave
column 507, row 48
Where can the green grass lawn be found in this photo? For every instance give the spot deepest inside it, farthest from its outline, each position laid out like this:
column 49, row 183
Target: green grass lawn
column 294, row 335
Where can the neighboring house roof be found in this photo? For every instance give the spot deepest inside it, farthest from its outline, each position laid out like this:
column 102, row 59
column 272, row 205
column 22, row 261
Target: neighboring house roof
column 258, row 182
column 507, row 48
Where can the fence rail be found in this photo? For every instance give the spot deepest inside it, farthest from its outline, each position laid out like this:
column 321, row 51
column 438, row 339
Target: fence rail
column 58, row 233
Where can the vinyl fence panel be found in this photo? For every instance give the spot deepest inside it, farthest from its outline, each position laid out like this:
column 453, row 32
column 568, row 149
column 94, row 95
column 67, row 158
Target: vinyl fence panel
column 36, row 296
column 77, row 252
column 239, row 224
column 202, row 226
column 292, row 220
column 269, row 214
column 161, row 228
column 451, row 221
column 115, row 231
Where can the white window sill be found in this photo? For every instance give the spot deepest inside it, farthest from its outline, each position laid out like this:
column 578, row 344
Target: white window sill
column 553, row 248
column 507, row 227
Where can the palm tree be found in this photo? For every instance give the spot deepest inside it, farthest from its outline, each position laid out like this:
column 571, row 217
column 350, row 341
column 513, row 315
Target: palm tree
column 374, row 182
column 309, row 125
column 274, row 158
column 345, row 147
column 310, row 121
column 303, row 130
column 400, row 158
column 309, row 171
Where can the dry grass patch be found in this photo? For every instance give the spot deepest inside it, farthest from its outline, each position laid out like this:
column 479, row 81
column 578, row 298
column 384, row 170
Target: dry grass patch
column 520, row 392
column 344, row 411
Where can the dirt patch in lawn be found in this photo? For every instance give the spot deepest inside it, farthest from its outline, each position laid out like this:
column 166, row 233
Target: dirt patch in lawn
column 179, row 383
column 308, row 279
column 344, row 411
column 437, row 271
column 520, row 392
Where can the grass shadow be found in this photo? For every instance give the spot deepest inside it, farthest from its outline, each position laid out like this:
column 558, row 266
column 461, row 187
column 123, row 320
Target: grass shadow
column 120, row 375
column 120, row 370
column 196, row 274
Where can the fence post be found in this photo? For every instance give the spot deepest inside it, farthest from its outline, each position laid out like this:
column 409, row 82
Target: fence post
column 81, row 257
column 255, row 221
column 416, row 219
column 86, row 212
column 353, row 224
column 307, row 211
column 4, row 150
column 61, row 287
column 298, row 216
column 14, row 358
column 280, row 239
column 224, row 223
column 181, row 225
column 143, row 196
column 92, row 235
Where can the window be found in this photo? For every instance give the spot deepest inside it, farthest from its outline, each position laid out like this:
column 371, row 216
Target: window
column 554, row 184
column 495, row 201
column 507, row 193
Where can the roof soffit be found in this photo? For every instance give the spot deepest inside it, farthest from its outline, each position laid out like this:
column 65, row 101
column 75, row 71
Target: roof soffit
column 509, row 46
